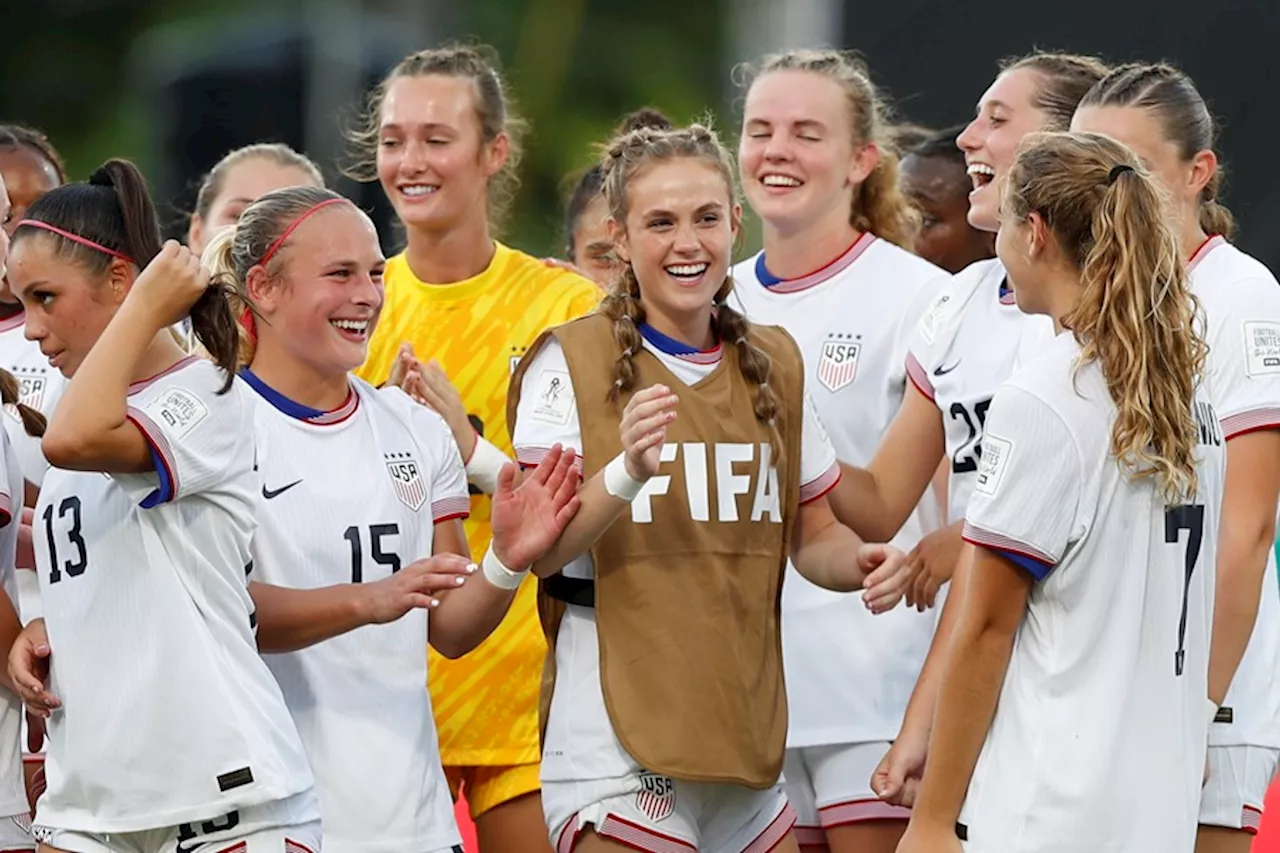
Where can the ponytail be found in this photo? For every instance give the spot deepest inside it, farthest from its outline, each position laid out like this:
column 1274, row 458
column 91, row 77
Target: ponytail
column 114, row 216
column 1136, row 315
column 1215, row 218
column 622, row 306
column 220, row 262
column 32, row 421
column 879, row 205
column 753, row 362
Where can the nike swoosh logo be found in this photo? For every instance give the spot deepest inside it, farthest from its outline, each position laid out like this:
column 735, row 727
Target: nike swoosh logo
column 943, row 371
column 275, row 493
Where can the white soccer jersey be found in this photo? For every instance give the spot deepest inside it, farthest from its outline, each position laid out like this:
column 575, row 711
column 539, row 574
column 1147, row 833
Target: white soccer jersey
column 390, row 470
column 1241, row 302
column 965, row 346
column 852, row 320
column 13, row 794
column 1098, row 741
column 569, row 753
column 168, row 713
column 40, row 388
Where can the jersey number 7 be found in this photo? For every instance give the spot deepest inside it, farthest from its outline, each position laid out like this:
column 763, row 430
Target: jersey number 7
column 1188, row 517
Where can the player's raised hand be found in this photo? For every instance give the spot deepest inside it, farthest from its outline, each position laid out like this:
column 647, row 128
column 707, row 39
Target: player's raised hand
column 644, row 428
column 431, row 386
column 886, row 574
column 170, row 284
column 415, row 585
column 405, row 363
column 896, row 778
column 529, row 518
column 29, row 669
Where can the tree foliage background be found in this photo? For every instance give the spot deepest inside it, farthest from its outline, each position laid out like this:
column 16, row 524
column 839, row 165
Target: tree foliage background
column 78, row 70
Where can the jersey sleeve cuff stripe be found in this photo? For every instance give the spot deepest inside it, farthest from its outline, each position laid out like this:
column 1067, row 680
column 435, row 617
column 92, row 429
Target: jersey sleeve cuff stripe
column 1253, row 420
column 814, row 489
column 532, row 456
column 919, row 376
column 6, row 509
column 161, row 455
column 450, row 508
column 1000, row 542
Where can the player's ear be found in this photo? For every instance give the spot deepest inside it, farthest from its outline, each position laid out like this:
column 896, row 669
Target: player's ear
column 1038, row 235
column 262, row 288
column 119, row 278
column 618, row 235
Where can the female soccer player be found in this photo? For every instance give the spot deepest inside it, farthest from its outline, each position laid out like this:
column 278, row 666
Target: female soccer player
column 180, row 736
column 964, row 347
column 239, row 179
column 586, row 216
column 667, row 725
column 442, row 141
column 935, row 177
column 30, row 167
column 819, row 170
column 309, row 263
column 15, row 805
column 1092, row 535
column 1157, row 112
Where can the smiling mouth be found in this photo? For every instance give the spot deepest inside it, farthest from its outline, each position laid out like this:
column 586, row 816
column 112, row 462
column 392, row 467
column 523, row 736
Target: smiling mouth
column 688, row 273
column 780, row 182
column 418, row 190
column 354, row 330
column 981, row 174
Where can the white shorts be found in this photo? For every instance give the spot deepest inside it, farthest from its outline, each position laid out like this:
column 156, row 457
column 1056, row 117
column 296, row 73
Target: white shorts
column 647, row 811
column 831, row 786
column 15, row 833
column 285, row 826
column 1239, row 777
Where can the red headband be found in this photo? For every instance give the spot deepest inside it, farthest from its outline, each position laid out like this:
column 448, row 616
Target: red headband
column 76, row 238
column 271, row 250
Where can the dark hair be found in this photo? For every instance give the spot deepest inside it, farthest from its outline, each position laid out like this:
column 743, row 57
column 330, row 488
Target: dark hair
column 20, row 136
column 234, row 251
column 282, row 155
column 1064, row 80
column 591, row 184
column 1184, row 120
column 494, row 112
column 33, row 422
column 941, row 144
column 114, row 209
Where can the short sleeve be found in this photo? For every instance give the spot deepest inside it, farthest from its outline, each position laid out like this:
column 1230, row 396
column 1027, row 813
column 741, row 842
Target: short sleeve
column 927, row 339
column 8, row 502
column 195, row 433
column 819, row 468
column 1028, row 485
column 1244, row 357
column 919, row 306
column 448, row 477
column 548, row 410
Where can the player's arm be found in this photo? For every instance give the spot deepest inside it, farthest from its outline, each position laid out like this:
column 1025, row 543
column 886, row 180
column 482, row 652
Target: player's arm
column 10, row 628
column 90, row 429
column 1246, row 535
column 875, row 501
column 994, row 603
column 604, row 497
column 1018, row 527
column 526, row 520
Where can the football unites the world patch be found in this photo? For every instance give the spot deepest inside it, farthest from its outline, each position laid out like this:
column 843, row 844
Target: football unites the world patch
column 838, row 363
column 406, row 478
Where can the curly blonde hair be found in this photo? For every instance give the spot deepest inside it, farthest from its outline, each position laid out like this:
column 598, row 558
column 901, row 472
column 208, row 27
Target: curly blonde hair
column 1136, row 317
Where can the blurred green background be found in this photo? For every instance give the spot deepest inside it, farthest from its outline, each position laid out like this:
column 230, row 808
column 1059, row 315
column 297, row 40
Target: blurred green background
column 95, row 78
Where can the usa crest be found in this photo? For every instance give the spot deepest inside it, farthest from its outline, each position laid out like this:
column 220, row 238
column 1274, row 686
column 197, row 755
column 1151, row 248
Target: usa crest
column 406, row 477
column 657, row 796
column 31, row 391
column 838, row 364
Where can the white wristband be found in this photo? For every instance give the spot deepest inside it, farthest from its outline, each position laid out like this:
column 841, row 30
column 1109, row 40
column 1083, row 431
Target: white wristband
column 498, row 574
column 618, row 482
column 485, row 465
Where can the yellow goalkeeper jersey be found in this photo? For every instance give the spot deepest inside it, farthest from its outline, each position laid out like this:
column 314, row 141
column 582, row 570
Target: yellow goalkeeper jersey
column 486, row 703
